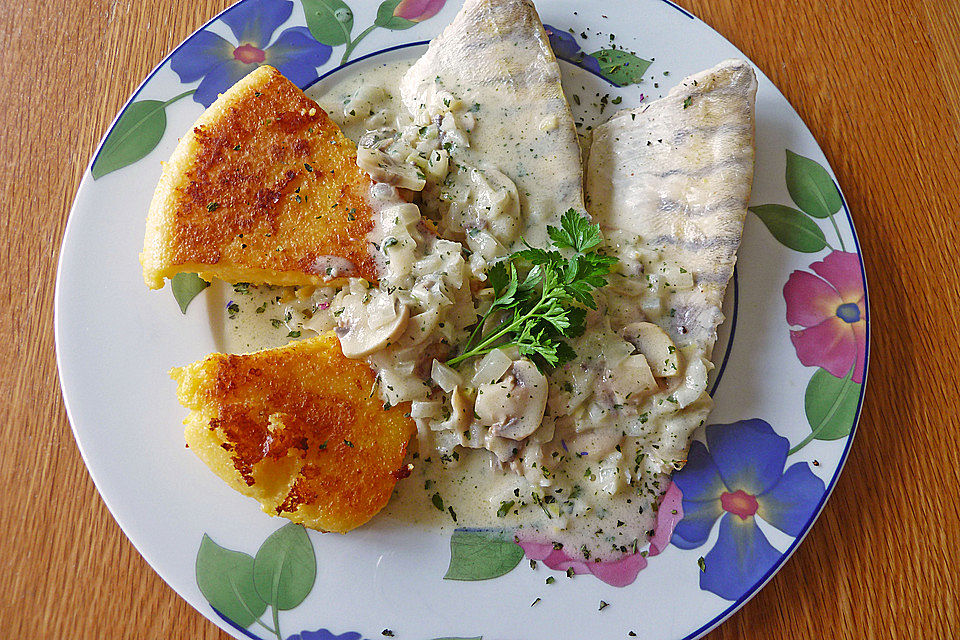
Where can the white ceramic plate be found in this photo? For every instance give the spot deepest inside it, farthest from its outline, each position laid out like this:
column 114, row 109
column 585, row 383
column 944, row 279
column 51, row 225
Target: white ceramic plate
column 793, row 365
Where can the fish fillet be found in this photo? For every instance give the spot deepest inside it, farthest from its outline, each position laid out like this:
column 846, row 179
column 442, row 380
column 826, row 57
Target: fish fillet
column 676, row 174
column 496, row 60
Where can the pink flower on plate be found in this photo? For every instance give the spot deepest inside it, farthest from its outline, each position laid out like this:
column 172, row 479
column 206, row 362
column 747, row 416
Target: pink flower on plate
column 418, row 10
column 828, row 305
column 622, row 571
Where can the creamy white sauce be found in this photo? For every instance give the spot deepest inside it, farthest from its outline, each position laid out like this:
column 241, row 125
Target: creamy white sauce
column 590, row 475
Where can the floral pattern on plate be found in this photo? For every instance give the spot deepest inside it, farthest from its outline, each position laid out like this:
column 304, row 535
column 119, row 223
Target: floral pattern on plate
column 219, row 64
column 738, row 477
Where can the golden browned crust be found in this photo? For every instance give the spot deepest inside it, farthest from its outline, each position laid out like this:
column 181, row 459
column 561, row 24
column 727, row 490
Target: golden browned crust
column 300, row 428
column 264, row 189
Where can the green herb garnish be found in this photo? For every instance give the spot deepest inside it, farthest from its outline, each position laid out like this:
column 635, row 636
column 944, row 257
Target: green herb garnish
column 550, row 302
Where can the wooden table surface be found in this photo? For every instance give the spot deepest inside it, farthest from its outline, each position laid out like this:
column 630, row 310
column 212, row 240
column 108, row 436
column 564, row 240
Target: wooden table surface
column 877, row 82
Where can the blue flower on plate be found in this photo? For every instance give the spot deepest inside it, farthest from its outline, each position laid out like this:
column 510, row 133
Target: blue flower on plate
column 221, row 63
column 323, row 634
column 739, row 477
column 565, row 47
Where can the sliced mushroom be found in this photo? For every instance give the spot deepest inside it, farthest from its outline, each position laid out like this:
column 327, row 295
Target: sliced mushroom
column 369, row 327
column 656, row 345
column 513, row 406
column 633, row 380
column 462, row 408
column 382, row 167
column 504, row 449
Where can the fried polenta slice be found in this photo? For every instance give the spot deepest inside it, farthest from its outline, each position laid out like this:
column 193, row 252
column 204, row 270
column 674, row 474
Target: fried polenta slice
column 264, row 189
column 299, row 428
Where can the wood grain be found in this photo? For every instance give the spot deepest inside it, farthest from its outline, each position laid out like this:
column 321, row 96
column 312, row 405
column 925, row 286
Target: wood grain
column 877, row 83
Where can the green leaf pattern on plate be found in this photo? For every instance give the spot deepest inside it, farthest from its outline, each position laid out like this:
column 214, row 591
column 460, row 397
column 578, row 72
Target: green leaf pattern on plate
column 136, row 133
column 186, row 287
column 387, row 20
column 285, row 567
column 225, row 579
column 811, row 187
column 242, row 587
column 481, row 555
column 621, row 67
column 330, row 21
column 791, row 228
column 831, row 405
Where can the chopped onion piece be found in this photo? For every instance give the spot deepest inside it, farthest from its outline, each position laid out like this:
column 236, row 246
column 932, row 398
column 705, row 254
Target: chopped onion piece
column 491, row 368
column 445, row 377
column 694, row 383
column 425, row 409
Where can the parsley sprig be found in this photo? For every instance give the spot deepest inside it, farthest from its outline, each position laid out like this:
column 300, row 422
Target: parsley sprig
column 549, row 304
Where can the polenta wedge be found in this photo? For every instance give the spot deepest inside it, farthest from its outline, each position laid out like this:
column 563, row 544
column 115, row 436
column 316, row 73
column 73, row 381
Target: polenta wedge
column 264, row 189
column 299, row 428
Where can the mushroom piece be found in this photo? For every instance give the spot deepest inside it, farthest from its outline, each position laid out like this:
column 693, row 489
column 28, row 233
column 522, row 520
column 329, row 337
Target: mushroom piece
column 513, row 406
column 656, row 345
column 365, row 328
column 632, row 380
column 462, row 408
column 381, row 167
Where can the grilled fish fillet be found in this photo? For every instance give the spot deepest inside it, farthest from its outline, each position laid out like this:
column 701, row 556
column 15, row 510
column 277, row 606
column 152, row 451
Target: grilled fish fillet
column 299, row 429
column 678, row 173
column 264, row 189
column 496, row 60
